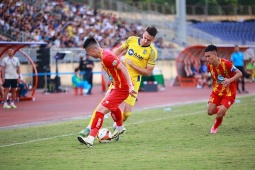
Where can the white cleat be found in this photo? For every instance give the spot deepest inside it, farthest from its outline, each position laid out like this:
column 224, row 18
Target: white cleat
column 85, row 141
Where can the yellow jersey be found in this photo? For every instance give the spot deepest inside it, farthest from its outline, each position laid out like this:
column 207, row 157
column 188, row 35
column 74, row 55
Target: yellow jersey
column 140, row 56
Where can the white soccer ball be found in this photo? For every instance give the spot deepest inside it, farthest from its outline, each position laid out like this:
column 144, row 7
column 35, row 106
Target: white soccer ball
column 104, row 135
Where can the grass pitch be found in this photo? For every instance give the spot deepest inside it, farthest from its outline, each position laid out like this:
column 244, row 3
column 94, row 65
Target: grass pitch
column 156, row 139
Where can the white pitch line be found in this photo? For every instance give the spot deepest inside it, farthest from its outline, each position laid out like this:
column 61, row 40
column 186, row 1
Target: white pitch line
column 140, row 122
column 37, row 140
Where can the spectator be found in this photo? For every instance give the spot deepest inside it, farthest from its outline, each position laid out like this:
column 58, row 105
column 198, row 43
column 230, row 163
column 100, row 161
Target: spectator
column 250, row 69
column 1, row 84
column 205, row 76
column 89, row 65
column 71, row 21
column 188, row 68
column 237, row 58
column 23, row 87
column 77, row 82
column 11, row 74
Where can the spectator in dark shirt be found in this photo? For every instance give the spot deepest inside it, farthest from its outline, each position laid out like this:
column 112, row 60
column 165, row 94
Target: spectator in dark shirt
column 86, row 66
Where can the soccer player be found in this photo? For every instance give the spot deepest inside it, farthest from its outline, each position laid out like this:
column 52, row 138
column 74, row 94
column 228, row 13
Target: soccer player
column 121, row 88
column 224, row 75
column 140, row 59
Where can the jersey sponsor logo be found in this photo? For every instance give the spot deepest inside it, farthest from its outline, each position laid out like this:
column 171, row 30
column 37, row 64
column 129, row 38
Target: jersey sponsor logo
column 132, row 53
column 114, row 63
column 144, row 51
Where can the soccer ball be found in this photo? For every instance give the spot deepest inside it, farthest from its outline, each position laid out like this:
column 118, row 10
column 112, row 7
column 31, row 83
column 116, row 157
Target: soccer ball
column 104, row 135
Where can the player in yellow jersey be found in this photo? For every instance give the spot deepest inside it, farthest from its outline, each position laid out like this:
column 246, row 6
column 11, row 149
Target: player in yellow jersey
column 140, row 59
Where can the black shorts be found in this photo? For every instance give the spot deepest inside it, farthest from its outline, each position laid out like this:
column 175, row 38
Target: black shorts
column 241, row 68
column 13, row 83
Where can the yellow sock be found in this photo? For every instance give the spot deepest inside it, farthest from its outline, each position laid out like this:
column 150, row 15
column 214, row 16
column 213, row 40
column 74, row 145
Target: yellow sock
column 92, row 118
column 125, row 116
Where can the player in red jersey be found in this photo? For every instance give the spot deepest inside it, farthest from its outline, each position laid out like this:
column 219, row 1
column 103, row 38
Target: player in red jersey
column 122, row 87
column 224, row 75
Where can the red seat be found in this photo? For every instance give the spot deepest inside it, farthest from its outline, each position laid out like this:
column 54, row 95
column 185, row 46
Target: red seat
column 78, row 91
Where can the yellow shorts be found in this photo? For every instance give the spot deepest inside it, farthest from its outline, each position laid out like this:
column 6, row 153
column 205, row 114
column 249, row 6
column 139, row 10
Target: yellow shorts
column 136, row 82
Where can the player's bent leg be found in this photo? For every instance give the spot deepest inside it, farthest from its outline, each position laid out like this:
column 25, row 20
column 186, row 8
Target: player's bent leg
column 218, row 120
column 127, row 110
column 212, row 107
column 125, row 116
column 85, row 132
column 118, row 127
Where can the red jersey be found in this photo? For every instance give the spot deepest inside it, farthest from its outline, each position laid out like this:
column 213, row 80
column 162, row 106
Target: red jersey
column 110, row 63
column 226, row 70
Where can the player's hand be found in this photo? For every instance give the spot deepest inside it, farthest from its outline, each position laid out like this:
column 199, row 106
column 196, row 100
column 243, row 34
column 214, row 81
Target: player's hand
column 128, row 61
column 226, row 82
column 132, row 92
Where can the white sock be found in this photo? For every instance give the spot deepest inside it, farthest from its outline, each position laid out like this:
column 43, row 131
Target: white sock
column 12, row 103
column 5, row 103
column 91, row 138
column 119, row 127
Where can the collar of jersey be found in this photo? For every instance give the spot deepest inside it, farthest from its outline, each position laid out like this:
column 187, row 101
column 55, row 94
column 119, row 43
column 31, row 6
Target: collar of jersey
column 139, row 43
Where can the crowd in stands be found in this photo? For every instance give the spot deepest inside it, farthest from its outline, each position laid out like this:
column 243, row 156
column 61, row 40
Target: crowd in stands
column 62, row 24
column 197, row 70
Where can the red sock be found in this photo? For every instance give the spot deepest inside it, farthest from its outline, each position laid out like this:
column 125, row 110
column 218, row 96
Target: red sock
column 217, row 123
column 117, row 117
column 217, row 109
column 97, row 123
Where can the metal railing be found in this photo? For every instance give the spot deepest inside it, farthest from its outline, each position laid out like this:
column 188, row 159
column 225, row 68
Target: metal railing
column 73, row 54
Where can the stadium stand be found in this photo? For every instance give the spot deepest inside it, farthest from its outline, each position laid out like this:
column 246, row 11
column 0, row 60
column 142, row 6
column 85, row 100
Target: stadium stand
column 64, row 25
column 243, row 32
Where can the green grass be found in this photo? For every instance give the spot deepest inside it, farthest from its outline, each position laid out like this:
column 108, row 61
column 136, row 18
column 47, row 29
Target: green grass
column 155, row 139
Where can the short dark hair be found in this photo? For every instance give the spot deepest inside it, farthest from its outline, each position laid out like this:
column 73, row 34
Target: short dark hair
column 152, row 31
column 89, row 41
column 211, row 48
column 76, row 69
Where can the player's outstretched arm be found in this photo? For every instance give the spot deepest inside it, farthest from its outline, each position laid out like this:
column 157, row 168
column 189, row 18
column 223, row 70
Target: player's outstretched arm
column 144, row 71
column 118, row 51
column 123, row 69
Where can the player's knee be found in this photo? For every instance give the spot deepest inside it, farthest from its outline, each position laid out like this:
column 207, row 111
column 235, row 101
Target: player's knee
column 125, row 116
column 219, row 116
column 210, row 112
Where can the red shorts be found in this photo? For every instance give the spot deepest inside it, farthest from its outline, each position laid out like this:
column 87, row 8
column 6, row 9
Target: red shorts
column 227, row 101
column 115, row 98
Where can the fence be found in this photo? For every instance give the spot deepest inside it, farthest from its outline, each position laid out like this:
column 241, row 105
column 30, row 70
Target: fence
column 166, row 63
